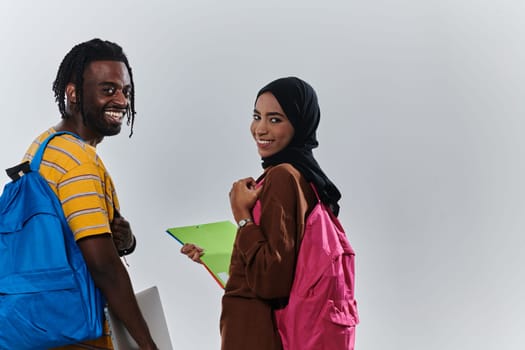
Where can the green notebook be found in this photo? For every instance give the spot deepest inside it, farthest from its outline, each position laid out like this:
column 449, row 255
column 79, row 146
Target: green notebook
column 216, row 239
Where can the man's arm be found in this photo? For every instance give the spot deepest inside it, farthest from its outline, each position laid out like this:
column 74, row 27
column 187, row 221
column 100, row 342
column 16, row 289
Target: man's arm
column 112, row 278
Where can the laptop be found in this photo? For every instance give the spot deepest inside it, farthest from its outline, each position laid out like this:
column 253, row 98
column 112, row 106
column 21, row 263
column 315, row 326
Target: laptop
column 151, row 308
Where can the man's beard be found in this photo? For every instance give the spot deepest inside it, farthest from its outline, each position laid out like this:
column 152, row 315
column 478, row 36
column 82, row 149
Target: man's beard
column 98, row 123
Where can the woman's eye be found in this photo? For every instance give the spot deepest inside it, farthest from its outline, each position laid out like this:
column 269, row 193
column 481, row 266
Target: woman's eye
column 275, row 120
column 256, row 117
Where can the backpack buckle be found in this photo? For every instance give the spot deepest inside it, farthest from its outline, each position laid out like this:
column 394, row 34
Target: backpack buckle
column 18, row 171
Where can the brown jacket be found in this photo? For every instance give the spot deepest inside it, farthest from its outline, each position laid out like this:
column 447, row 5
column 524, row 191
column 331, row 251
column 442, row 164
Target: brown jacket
column 263, row 262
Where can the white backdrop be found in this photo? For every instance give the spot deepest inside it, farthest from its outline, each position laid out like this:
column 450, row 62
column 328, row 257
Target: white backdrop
column 422, row 130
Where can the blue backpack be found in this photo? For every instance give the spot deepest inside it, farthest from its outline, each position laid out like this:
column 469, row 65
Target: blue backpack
column 47, row 296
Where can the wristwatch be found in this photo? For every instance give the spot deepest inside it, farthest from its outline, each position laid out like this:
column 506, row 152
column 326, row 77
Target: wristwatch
column 130, row 249
column 243, row 222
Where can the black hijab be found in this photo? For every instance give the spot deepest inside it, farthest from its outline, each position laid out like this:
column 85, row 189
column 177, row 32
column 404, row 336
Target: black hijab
column 299, row 102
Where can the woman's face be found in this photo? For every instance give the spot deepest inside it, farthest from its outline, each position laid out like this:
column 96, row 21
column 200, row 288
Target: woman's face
column 271, row 129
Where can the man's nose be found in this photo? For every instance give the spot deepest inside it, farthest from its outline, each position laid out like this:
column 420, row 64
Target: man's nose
column 120, row 98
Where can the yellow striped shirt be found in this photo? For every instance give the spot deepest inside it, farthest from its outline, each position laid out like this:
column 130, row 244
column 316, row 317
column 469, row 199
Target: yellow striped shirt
column 80, row 180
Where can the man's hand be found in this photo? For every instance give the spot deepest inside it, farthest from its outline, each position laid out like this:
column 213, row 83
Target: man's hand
column 122, row 235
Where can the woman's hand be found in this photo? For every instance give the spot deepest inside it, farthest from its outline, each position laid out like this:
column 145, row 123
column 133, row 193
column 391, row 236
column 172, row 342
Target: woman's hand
column 243, row 196
column 193, row 252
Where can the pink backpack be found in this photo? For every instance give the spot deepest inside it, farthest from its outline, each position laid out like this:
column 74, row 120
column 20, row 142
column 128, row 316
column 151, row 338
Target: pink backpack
column 321, row 313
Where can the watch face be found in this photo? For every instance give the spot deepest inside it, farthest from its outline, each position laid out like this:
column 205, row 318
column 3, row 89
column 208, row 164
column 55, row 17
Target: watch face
column 243, row 222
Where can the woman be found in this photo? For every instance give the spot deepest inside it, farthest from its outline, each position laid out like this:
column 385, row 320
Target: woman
column 264, row 257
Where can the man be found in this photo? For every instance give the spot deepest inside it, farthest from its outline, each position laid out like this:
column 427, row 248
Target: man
column 94, row 90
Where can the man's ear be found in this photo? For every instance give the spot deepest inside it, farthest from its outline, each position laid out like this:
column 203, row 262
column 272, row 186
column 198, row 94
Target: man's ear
column 71, row 93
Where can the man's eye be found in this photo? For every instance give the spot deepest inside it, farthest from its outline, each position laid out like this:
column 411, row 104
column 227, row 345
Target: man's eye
column 109, row 90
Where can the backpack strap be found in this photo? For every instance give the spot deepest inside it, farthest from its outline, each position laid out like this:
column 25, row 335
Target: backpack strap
column 37, row 159
column 327, row 208
column 315, row 191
